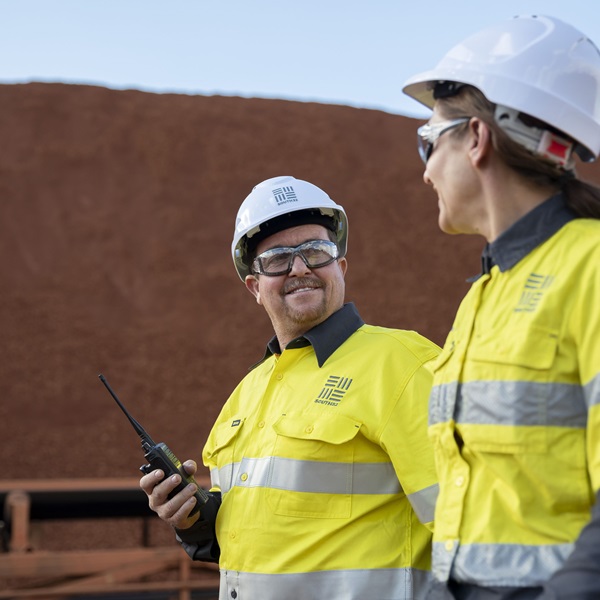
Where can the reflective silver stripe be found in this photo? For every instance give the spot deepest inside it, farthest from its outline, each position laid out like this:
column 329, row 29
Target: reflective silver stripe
column 423, row 502
column 496, row 403
column 309, row 476
column 215, row 479
column 591, row 391
column 441, row 402
column 499, row 564
column 355, row 584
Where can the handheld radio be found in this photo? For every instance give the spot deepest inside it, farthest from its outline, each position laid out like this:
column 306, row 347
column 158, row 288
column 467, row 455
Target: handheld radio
column 160, row 457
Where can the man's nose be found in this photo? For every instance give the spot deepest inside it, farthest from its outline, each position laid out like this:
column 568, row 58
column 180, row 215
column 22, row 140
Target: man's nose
column 298, row 266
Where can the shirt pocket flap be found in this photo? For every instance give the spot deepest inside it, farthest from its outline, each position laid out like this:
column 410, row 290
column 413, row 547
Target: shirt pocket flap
column 226, row 432
column 338, row 430
column 533, row 347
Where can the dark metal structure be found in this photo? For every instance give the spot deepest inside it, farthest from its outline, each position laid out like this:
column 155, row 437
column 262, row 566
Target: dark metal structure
column 75, row 574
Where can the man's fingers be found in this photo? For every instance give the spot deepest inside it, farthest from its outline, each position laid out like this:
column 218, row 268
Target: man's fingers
column 190, row 467
column 161, row 491
column 180, row 518
column 175, row 510
column 149, row 481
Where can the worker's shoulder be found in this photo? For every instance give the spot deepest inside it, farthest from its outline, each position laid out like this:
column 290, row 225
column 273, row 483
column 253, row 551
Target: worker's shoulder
column 411, row 341
column 579, row 235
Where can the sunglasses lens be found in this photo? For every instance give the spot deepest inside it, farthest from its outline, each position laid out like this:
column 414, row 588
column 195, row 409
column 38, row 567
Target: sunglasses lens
column 425, row 140
column 428, row 134
column 275, row 263
column 425, row 147
column 318, row 254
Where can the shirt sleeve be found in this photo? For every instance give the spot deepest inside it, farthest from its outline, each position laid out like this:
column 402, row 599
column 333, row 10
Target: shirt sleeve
column 579, row 577
column 406, row 440
column 200, row 541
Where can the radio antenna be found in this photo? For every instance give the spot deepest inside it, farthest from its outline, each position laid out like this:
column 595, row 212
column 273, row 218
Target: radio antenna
column 147, row 441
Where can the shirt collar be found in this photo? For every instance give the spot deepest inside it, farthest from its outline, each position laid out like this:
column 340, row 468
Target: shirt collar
column 527, row 233
column 326, row 337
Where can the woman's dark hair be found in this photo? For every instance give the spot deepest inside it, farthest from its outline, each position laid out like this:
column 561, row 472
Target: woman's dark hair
column 582, row 197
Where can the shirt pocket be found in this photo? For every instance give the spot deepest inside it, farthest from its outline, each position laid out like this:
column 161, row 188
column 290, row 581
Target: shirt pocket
column 222, row 453
column 311, row 468
column 505, row 398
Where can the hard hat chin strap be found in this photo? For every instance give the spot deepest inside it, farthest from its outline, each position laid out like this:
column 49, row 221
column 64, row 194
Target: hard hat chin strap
column 541, row 142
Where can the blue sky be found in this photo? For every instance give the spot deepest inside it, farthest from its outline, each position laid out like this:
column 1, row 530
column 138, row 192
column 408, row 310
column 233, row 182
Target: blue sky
column 349, row 52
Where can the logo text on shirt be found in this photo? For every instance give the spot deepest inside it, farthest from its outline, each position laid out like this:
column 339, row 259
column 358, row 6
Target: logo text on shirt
column 535, row 286
column 334, row 390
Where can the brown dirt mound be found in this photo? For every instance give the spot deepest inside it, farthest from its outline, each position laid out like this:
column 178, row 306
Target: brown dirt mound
column 116, row 221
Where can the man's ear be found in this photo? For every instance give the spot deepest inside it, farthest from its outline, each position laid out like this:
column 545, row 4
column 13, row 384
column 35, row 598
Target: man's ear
column 481, row 141
column 343, row 263
column 251, row 282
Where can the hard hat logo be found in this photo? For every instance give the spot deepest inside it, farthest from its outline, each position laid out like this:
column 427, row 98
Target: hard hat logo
column 285, row 194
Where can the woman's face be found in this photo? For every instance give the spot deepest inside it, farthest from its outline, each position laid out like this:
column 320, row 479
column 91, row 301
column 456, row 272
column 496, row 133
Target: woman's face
column 450, row 172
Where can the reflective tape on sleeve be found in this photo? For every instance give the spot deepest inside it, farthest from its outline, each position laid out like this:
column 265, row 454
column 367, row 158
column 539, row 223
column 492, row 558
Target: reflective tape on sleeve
column 423, row 502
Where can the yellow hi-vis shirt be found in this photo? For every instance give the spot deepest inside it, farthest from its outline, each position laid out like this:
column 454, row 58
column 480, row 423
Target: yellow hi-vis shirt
column 326, row 472
column 515, row 412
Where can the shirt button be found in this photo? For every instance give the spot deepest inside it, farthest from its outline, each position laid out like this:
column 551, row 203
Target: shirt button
column 244, row 476
column 261, row 424
column 459, row 481
column 232, row 534
column 449, row 545
column 279, row 376
column 233, row 594
column 309, row 429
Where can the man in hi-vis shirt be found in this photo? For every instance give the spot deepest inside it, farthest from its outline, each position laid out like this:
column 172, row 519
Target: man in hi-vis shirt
column 319, row 459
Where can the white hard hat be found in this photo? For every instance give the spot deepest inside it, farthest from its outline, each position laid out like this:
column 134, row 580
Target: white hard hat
column 537, row 65
column 279, row 203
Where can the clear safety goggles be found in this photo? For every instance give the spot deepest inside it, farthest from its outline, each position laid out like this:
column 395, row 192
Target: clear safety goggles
column 427, row 135
column 279, row 261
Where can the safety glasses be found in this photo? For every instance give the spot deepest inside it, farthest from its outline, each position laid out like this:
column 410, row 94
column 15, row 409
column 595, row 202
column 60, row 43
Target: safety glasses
column 278, row 261
column 428, row 134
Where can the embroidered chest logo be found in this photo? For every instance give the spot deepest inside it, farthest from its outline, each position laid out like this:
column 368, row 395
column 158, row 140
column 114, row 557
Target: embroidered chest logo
column 535, row 287
column 284, row 194
column 334, row 390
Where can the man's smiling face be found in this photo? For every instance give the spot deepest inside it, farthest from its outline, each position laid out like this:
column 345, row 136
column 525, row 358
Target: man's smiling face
column 304, row 297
